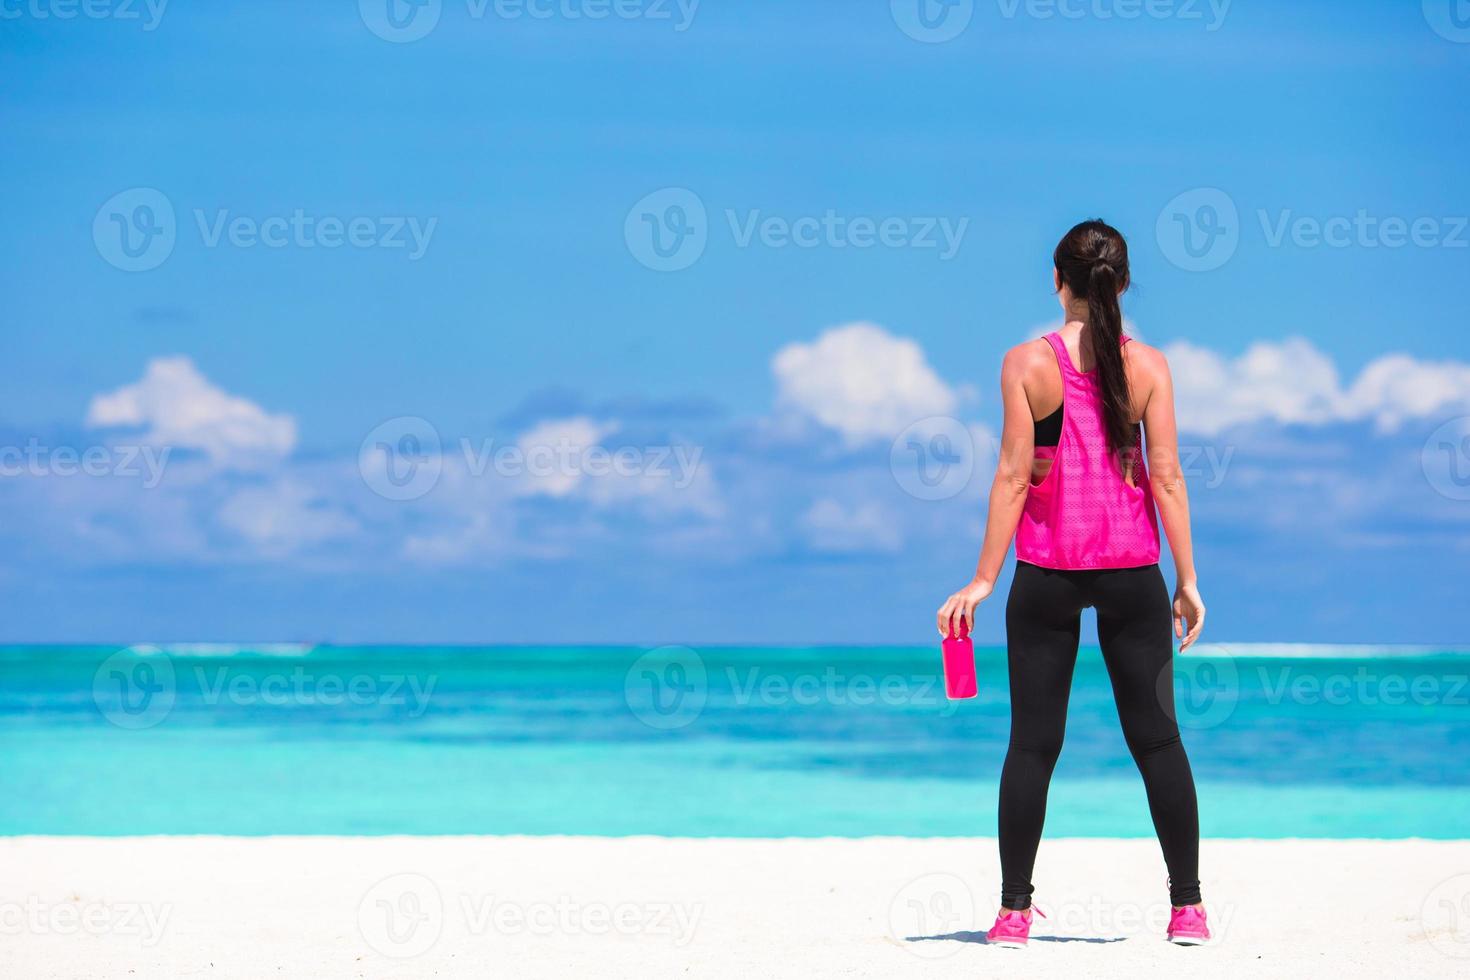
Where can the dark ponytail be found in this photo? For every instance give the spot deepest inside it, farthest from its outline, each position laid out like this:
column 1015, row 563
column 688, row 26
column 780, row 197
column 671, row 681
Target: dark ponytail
column 1092, row 261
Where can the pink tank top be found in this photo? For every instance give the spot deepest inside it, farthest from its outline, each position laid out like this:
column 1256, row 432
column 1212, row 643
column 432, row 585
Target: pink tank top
column 1084, row 514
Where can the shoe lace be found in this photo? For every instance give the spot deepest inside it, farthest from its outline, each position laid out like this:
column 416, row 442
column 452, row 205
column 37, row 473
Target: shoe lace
column 1022, row 913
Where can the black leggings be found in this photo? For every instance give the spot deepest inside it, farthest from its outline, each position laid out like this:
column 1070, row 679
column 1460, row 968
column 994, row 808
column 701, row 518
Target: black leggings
column 1135, row 631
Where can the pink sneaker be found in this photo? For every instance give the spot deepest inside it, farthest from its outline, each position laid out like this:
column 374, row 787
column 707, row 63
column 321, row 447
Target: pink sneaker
column 1011, row 930
column 1187, row 927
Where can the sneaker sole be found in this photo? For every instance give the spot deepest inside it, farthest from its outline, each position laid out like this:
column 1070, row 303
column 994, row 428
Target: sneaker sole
column 1189, row 940
column 1007, row 943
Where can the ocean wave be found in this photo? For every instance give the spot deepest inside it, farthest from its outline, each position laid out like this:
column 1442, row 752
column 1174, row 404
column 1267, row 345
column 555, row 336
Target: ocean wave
column 229, row 649
column 1327, row 651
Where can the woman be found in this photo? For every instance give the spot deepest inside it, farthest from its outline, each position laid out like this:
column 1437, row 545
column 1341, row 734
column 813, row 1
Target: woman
column 1072, row 488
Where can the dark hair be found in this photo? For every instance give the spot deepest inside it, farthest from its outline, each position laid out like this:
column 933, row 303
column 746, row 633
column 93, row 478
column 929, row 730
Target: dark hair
column 1092, row 261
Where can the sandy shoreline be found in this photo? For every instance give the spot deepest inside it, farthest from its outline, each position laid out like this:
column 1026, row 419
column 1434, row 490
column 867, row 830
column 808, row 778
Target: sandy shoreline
column 415, row 907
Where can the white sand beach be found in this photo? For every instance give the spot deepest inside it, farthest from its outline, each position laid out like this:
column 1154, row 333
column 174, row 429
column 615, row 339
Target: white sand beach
column 407, row 907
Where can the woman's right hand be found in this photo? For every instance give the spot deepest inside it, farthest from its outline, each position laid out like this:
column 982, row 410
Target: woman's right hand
column 1189, row 614
column 962, row 605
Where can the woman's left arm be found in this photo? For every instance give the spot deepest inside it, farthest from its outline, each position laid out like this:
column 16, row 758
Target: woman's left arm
column 1007, row 493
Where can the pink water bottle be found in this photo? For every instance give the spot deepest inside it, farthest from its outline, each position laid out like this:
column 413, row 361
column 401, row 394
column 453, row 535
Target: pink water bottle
column 959, row 663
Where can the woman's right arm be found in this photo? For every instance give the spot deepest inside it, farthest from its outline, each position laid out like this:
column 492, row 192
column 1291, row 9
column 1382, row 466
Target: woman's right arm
column 1166, row 479
column 1007, row 491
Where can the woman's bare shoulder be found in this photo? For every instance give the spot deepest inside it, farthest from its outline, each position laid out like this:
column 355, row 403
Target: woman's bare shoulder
column 1027, row 359
column 1145, row 361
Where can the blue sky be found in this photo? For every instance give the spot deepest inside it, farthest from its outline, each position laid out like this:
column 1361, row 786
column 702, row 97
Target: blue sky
column 1316, row 374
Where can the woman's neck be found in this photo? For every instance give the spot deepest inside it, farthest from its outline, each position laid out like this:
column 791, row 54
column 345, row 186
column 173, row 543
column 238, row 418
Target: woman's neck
column 1075, row 330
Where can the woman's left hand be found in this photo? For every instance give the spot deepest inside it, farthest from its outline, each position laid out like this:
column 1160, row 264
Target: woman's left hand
column 961, row 606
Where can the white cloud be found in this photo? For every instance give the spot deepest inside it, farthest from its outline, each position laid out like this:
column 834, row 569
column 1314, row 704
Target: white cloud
column 1289, row 382
column 861, row 381
column 179, row 407
column 282, row 517
column 567, row 456
column 554, row 452
column 680, row 483
column 477, row 539
column 1292, row 382
column 832, row 526
column 1396, row 387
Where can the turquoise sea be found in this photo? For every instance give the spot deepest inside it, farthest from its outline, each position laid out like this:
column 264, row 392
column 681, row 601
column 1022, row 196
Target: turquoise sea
column 720, row 741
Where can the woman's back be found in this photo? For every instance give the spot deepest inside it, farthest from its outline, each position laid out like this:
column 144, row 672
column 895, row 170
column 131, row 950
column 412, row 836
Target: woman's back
column 1088, row 505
